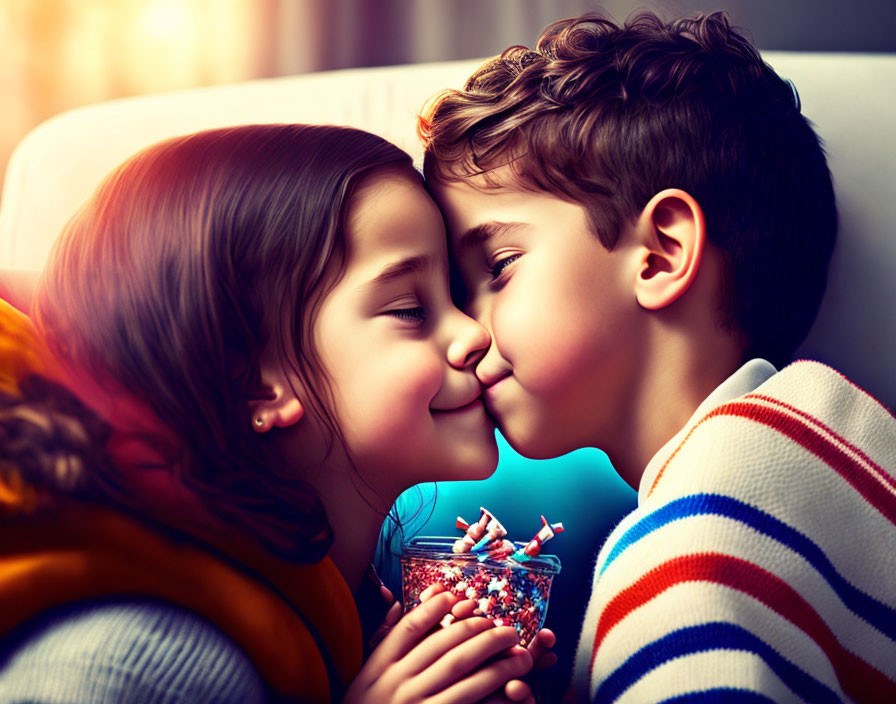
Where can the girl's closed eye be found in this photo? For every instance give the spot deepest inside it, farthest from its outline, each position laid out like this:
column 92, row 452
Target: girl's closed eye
column 416, row 314
column 498, row 268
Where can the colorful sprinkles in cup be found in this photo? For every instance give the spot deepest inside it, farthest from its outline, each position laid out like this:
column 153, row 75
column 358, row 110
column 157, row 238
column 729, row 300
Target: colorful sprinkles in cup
column 510, row 581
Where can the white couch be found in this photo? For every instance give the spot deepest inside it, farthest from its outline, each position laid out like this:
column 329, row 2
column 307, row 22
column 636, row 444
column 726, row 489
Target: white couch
column 850, row 98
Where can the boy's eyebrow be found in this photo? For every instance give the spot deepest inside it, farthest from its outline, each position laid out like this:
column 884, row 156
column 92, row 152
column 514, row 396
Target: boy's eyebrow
column 480, row 233
column 403, row 267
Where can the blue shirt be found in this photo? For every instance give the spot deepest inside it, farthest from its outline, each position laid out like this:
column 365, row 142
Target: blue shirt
column 125, row 651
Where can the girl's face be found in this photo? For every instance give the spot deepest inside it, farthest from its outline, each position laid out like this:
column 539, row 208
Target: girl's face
column 400, row 356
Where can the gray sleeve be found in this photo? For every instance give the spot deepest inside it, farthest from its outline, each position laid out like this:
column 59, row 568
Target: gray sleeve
column 127, row 652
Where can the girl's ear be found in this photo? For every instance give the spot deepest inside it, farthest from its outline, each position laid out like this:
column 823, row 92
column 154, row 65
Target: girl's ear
column 671, row 234
column 275, row 403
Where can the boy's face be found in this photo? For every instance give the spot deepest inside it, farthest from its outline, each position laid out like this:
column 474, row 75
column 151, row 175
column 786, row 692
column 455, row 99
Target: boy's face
column 561, row 311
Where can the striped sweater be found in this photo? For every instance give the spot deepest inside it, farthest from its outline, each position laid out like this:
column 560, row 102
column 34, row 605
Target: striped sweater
column 760, row 563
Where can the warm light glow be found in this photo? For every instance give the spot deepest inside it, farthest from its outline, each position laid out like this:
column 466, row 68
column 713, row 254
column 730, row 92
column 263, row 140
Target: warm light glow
column 60, row 54
column 166, row 21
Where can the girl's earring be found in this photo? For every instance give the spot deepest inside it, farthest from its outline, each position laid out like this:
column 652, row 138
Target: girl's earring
column 259, row 422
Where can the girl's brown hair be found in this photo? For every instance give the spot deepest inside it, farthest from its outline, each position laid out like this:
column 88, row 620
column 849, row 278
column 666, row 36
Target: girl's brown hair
column 189, row 261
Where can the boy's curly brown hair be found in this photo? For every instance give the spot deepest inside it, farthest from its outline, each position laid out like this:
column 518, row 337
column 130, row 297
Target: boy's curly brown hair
column 607, row 116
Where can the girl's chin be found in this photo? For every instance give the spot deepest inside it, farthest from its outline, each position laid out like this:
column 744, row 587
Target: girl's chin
column 478, row 463
column 469, row 462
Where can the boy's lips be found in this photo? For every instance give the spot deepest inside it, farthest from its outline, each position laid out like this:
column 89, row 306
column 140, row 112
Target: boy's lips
column 491, row 392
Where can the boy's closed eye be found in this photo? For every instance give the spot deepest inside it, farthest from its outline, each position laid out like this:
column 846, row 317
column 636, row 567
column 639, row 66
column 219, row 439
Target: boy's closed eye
column 497, row 269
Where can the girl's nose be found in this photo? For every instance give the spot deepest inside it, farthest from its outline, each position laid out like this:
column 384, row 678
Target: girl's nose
column 469, row 342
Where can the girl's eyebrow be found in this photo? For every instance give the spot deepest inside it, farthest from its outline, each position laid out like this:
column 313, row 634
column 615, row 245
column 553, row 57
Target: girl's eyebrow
column 403, row 267
column 478, row 234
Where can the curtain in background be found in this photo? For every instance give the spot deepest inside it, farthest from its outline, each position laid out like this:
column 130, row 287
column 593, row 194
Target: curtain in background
column 59, row 54
column 324, row 34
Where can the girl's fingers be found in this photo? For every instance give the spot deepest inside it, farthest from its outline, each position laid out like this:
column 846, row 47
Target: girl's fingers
column 517, row 691
column 438, row 645
column 486, row 680
column 431, row 591
column 465, row 609
column 540, row 649
column 392, row 617
column 544, row 640
column 409, row 631
column 470, row 656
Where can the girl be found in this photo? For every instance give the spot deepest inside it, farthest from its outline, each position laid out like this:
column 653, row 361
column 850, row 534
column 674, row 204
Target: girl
column 262, row 317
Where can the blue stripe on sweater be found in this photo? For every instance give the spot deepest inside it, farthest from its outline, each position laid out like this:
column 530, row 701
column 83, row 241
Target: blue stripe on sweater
column 875, row 613
column 704, row 638
column 720, row 695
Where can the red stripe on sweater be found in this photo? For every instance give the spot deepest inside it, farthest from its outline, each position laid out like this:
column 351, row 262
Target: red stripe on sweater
column 859, row 679
column 866, row 483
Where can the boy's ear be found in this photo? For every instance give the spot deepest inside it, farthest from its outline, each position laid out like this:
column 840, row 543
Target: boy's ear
column 275, row 403
column 671, row 232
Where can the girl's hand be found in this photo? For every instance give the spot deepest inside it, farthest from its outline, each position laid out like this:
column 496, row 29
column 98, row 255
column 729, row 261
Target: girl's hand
column 462, row 609
column 542, row 656
column 464, row 662
column 393, row 615
column 540, row 649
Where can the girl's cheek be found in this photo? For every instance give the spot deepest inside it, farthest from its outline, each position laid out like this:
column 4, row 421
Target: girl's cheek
column 419, row 364
column 422, row 381
column 406, row 382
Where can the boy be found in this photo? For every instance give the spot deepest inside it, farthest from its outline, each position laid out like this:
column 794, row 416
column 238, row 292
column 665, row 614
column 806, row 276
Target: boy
column 643, row 220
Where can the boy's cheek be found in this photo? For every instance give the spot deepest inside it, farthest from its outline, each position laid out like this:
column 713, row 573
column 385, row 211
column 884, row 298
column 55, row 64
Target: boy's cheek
column 516, row 318
column 543, row 349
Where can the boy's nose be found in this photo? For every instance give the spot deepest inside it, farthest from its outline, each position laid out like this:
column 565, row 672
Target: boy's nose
column 469, row 343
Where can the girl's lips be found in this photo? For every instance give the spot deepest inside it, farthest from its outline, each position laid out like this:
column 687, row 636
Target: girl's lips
column 475, row 403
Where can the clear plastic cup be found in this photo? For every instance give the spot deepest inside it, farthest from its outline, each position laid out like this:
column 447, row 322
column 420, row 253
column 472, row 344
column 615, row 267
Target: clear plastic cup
column 510, row 593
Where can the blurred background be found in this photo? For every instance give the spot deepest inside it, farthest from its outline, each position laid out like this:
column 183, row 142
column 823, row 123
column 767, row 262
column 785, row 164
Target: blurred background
column 60, row 54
